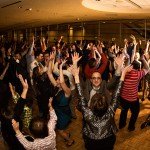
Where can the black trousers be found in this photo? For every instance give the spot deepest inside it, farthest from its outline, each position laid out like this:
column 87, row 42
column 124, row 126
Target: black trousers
column 134, row 107
column 103, row 144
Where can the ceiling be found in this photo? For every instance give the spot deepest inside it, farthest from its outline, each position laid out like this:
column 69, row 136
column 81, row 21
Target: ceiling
column 29, row 13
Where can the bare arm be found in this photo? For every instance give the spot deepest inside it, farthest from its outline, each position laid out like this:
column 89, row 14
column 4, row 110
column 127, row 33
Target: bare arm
column 133, row 53
column 43, row 45
column 25, row 86
column 65, row 88
column 50, row 74
column 4, row 72
column 147, row 46
column 145, row 64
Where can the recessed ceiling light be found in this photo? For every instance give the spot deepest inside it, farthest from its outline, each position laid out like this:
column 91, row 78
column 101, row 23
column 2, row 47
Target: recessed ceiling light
column 28, row 9
column 20, row 7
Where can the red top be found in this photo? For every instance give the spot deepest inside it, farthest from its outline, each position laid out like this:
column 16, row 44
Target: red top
column 129, row 90
column 89, row 71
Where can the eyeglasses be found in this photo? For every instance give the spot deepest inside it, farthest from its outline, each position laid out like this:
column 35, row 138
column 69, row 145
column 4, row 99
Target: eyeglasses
column 96, row 78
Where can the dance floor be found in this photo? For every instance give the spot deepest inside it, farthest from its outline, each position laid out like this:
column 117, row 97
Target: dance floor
column 135, row 140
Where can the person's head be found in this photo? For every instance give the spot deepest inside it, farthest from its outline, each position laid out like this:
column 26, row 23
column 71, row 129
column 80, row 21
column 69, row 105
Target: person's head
column 73, row 47
column 8, row 53
column 17, row 56
column 53, row 48
column 39, row 56
column 136, row 65
column 96, row 79
column 90, row 46
column 98, row 104
column 38, row 127
column 46, row 56
column 92, row 62
column 57, row 79
column 37, row 72
column 112, row 46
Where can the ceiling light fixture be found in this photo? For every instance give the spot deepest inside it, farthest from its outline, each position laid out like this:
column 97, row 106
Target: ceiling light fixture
column 28, row 9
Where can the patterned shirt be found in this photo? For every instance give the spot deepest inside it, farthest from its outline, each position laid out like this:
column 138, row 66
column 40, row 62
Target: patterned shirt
column 130, row 87
column 47, row 143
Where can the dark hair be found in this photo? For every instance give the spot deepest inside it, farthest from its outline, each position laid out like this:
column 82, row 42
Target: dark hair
column 136, row 65
column 98, row 104
column 46, row 52
column 69, row 61
column 92, row 62
column 66, row 79
column 38, row 127
column 37, row 53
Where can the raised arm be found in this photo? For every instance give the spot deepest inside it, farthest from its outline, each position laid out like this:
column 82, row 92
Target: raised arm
column 53, row 118
column 43, row 45
column 49, row 71
column 30, row 52
column 145, row 64
column 147, row 46
column 12, row 90
column 115, row 102
column 4, row 72
column 18, row 110
column 104, row 60
column 65, row 88
column 118, row 63
column 134, row 49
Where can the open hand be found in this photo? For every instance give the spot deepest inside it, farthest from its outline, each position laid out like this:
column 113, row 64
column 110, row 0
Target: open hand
column 52, row 56
column 23, row 82
column 50, row 102
column 15, row 125
column 75, row 58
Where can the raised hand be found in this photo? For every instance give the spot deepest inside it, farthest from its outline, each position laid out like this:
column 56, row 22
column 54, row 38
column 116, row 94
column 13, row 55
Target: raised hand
column 23, row 82
column 52, row 55
column 50, row 103
column 127, row 69
column 33, row 39
column 134, row 39
column 43, row 39
column 15, row 125
column 12, row 88
column 62, row 63
column 99, row 48
column 148, row 42
column 75, row 58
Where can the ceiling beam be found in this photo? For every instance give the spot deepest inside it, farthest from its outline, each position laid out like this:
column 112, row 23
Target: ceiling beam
column 133, row 3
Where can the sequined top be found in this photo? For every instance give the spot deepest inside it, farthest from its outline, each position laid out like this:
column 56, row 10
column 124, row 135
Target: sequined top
column 27, row 112
column 96, row 127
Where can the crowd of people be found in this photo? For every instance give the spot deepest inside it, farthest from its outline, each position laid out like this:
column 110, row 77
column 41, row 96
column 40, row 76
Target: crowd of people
column 42, row 85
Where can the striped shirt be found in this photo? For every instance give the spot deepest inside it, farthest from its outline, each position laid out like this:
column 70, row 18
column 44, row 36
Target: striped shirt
column 129, row 90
